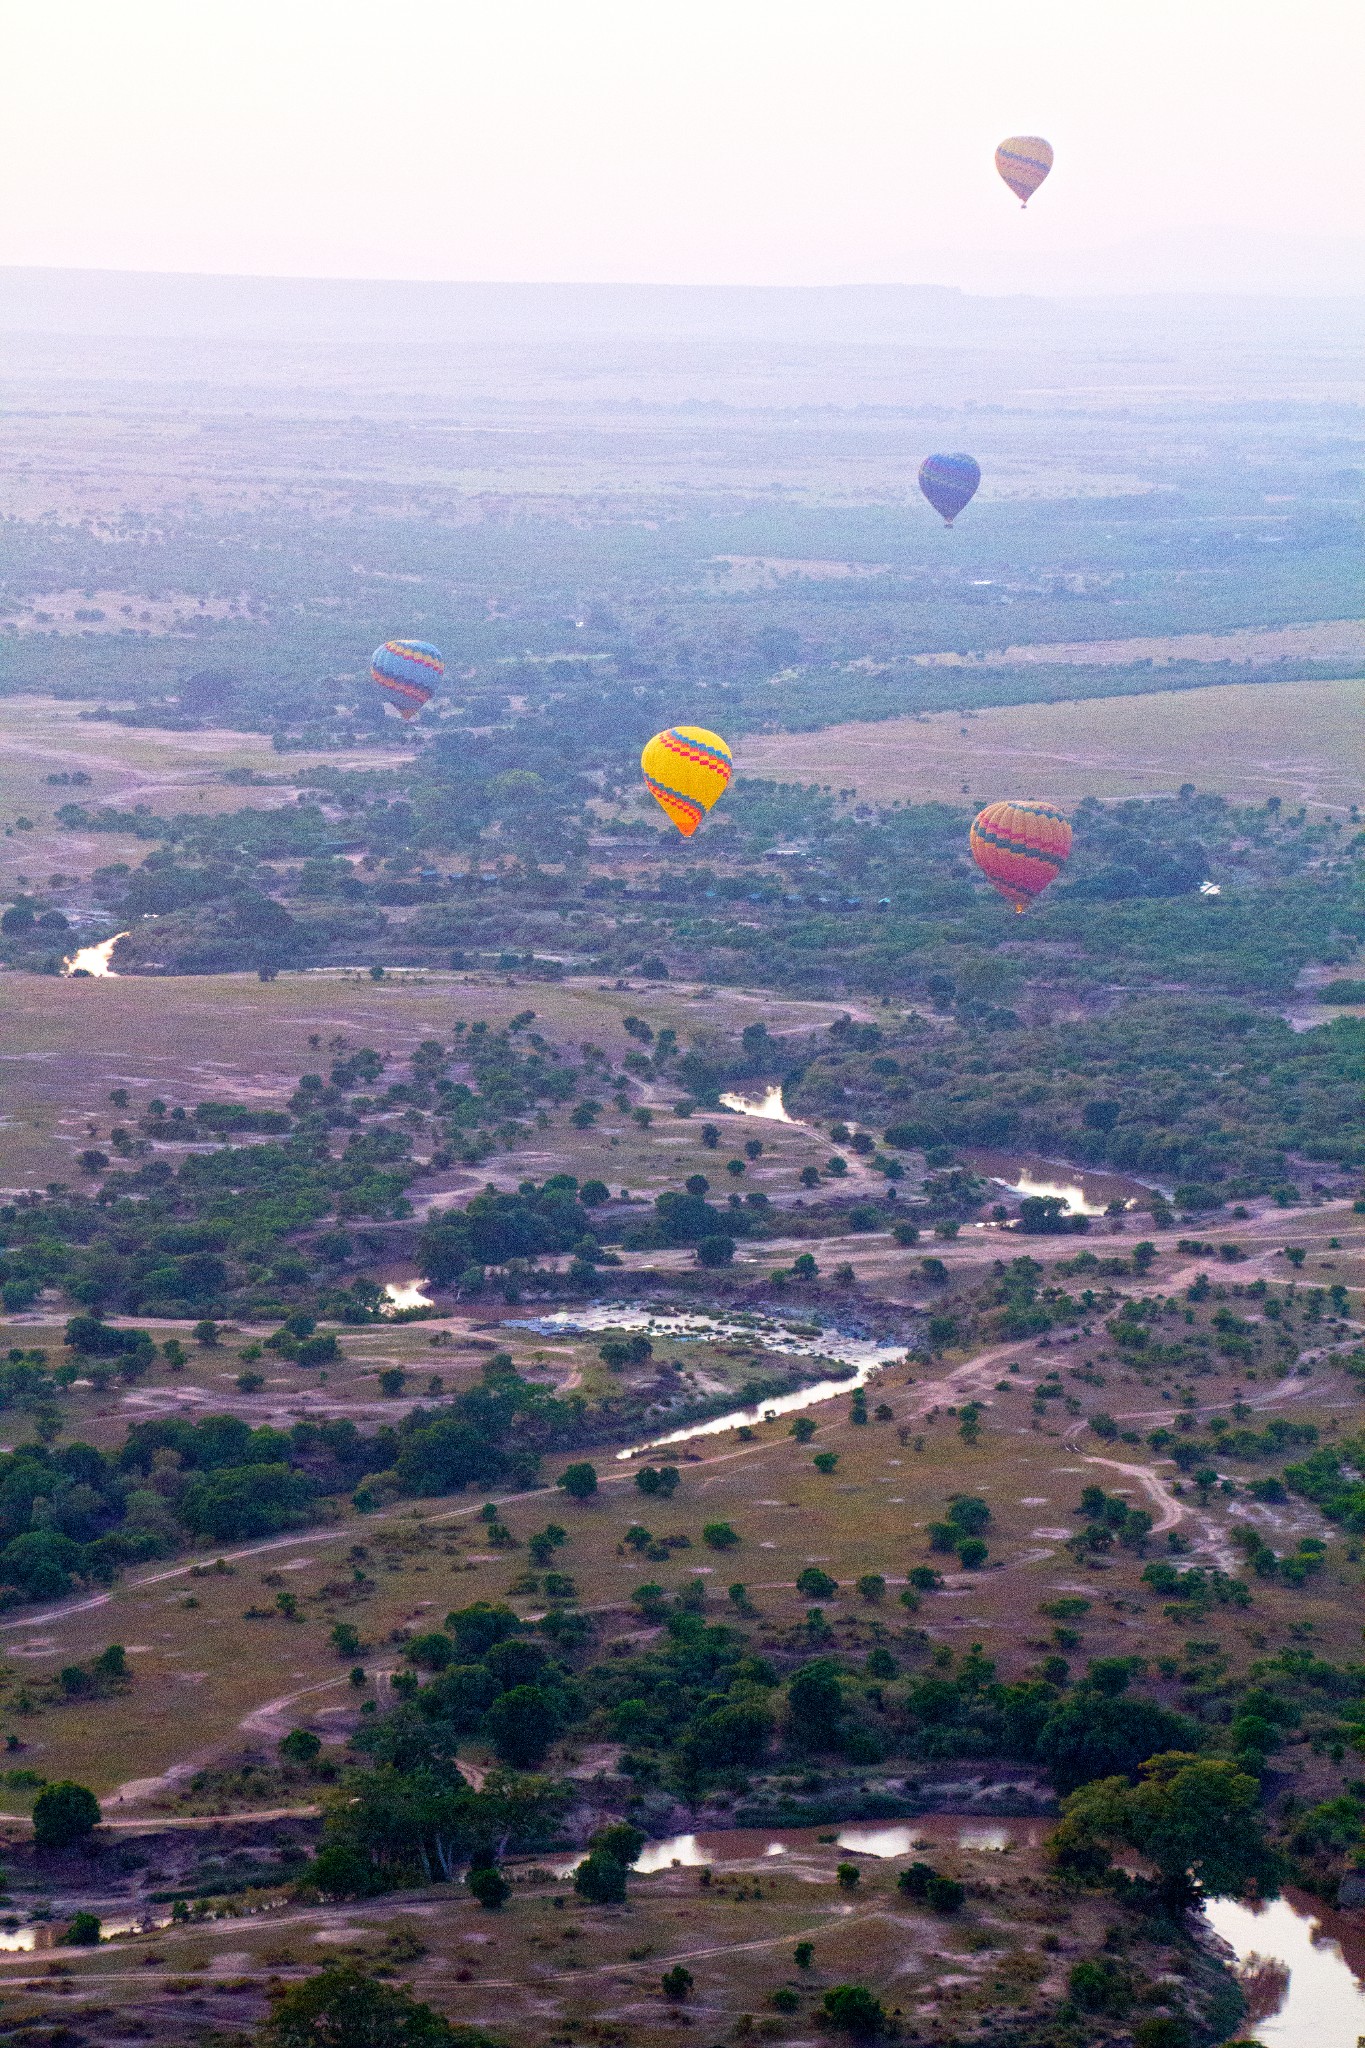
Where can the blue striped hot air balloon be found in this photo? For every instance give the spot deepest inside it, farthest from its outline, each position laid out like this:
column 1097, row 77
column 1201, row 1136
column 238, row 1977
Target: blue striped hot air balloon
column 949, row 482
column 407, row 671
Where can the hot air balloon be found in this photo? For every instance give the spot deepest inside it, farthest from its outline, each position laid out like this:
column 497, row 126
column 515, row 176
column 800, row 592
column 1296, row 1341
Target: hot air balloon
column 1020, row 846
column 1023, row 161
column 408, row 672
column 686, row 769
column 949, row 482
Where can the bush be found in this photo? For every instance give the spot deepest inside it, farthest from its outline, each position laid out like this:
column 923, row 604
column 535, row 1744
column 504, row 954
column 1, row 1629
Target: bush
column 84, row 1931
column 489, row 1887
column 64, row 1814
column 715, row 1250
column 813, row 1584
column 579, row 1481
column 719, row 1536
column 1098, row 1985
column 340, row 2005
column 677, row 1982
column 853, row 2008
column 601, row 1880
column 301, row 1746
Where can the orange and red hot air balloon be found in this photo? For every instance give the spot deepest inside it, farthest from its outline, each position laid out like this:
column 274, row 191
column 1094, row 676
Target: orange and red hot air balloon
column 1020, row 846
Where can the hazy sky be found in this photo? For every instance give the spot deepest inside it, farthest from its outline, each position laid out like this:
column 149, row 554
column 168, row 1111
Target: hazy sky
column 737, row 141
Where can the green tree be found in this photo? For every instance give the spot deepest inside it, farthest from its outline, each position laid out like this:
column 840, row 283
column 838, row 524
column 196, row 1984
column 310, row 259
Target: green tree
column 853, row 2009
column 579, row 1481
column 815, row 1703
column 343, row 2007
column 1194, row 1817
column 64, row 1814
column 522, row 1723
column 489, row 1887
column 677, row 1982
column 601, row 1880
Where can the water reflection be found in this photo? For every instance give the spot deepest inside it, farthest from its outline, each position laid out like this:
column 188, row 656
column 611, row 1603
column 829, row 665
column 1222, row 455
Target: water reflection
column 1301, row 1990
column 899, row 1838
column 94, row 960
column 859, row 1357
column 405, row 1294
column 1072, row 1194
column 769, row 1105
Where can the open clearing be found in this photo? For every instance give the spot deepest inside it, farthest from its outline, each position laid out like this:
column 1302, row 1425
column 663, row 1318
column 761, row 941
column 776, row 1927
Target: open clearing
column 64, row 1044
column 126, row 766
column 1303, row 742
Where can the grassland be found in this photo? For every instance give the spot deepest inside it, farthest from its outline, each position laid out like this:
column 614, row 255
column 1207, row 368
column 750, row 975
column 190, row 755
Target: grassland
column 207, row 1679
column 168, row 771
column 219, row 1675
column 1300, row 741
column 67, row 1043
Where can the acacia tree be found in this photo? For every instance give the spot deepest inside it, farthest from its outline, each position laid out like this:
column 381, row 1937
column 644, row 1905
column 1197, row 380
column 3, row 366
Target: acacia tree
column 1193, row 1817
column 342, row 2007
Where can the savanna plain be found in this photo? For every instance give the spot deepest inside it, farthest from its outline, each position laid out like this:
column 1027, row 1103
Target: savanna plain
column 608, row 1436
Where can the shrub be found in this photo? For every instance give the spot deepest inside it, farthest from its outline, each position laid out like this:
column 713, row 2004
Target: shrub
column 601, row 1880
column 301, row 1746
column 852, row 2008
column 579, row 1480
column 83, row 1932
column 849, row 1877
column 64, row 1814
column 489, row 1887
column 825, row 1461
column 719, row 1536
column 677, row 1982
column 813, row 1584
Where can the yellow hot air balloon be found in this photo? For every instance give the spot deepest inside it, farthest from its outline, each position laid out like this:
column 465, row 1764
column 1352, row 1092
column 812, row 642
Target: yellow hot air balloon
column 685, row 769
column 1023, row 161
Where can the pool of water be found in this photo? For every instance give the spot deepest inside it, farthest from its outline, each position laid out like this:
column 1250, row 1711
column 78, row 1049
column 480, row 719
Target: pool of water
column 859, row 1357
column 406, row 1294
column 896, row 1839
column 1302, row 1967
column 1083, row 1192
column 769, row 1106
column 94, row 960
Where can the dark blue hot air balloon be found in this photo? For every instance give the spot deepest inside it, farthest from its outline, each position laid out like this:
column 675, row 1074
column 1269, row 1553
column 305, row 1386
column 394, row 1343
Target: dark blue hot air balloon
column 949, row 482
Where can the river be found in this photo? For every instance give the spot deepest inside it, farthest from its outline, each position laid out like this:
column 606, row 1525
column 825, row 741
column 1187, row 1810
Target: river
column 860, row 1356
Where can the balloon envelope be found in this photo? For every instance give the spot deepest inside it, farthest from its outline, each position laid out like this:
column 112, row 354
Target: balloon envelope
column 685, row 769
column 949, row 482
column 1023, row 161
column 1020, row 846
column 407, row 671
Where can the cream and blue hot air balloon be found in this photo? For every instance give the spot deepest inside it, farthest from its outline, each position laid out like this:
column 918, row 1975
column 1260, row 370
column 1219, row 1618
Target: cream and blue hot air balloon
column 407, row 671
column 949, row 482
column 1023, row 161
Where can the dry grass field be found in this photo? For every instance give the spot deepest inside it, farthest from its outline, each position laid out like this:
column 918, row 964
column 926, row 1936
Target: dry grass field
column 1303, row 742
column 64, row 1044
column 126, row 766
column 209, row 1678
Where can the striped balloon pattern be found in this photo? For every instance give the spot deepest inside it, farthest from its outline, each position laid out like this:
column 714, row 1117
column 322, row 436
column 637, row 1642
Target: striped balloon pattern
column 407, row 671
column 949, row 483
column 1023, row 161
column 686, row 768
column 1020, row 846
